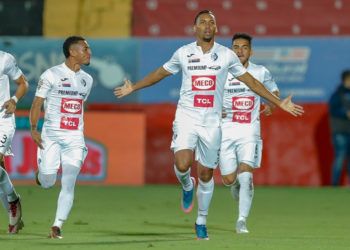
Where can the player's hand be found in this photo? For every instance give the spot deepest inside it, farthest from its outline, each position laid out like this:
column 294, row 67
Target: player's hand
column 9, row 106
column 37, row 138
column 268, row 109
column 124, row 90
column 288, row 106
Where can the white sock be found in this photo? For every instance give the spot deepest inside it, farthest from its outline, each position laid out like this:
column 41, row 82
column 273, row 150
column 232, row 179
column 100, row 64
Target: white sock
column 234, row 190
column 246, row 194
column 66, row 197
column 7, row 187
column 204, row 194
column 184, row 179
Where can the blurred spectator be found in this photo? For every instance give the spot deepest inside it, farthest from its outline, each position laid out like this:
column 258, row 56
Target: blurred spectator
column 340, row 125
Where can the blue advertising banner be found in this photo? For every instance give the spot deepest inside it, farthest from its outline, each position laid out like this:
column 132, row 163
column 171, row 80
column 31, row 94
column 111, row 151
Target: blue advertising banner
column 308, row 68
column 111, row 62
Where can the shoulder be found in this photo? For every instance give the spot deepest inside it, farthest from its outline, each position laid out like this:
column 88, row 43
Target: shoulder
column 7, row 58
column 87, row 77
column 258, row 67
column 50, row 73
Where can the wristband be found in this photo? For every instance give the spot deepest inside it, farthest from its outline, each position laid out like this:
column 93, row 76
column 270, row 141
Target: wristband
column 14, row 98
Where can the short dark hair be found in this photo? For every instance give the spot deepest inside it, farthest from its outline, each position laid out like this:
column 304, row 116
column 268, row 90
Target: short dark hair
column 203, row 12
column 68, row 42
column 345, row 74
column 242, row 36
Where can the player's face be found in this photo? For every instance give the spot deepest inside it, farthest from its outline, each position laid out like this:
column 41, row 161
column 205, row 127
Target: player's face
column 347, row 82
column 242, row 49
column 205, row 28
column 81, row 52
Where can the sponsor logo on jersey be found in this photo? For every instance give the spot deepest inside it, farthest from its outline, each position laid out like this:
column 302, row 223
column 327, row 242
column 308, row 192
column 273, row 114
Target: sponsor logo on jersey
column 231, row 82
column 235, row 91
column 66, row 85
column 194, row 60
column 242, row 117
column 190, row 55
column 64, row 79
column 67, row 92
column 197, row 67
column 83, row 82
column 203, row 101
column 70, row 123
column 214, row 57
column 243, row 103
column 215, row 67
column 83, row 94
column 71, row 106
column 200, row 83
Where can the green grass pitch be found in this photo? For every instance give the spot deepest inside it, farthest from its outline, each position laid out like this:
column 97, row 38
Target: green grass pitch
column 150, row 218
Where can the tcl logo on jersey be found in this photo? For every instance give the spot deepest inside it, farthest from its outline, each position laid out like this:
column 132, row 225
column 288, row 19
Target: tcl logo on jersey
column 242, row 117
column 70, row 123
column 203, row 82
column 243, row 103
column 71, row 106
column 204, row 101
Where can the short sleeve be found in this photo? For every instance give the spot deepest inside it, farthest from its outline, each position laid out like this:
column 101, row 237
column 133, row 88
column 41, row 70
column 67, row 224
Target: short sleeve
column 235, row 67
column 269, row 82
column 11, row 68
column 173, row 65
column 44, row 85
column 89, row 90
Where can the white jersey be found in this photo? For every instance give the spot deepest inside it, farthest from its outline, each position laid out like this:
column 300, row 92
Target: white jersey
column 242, row 105
column 8, row 69
column 203, row 80
column 65, row 92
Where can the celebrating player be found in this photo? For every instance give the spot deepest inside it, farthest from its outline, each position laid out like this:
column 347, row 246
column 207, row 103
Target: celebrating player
column 197, row 123
column 9, row 198
column 241, row 145
column 63, row 90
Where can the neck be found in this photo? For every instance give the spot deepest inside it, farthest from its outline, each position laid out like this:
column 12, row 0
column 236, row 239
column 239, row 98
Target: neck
column 206, row 46
column 74, row 66
column 246, row 64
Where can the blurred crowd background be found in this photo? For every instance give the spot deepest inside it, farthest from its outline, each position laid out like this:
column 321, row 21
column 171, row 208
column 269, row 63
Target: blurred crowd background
column 304, row 43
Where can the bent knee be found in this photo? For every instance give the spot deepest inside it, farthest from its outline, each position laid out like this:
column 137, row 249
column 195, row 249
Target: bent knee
column 47, row 181
column 244, row 167
column 228, row 180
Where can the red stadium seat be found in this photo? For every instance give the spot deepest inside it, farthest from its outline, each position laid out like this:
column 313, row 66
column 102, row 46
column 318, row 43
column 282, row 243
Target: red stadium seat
column 259, row 17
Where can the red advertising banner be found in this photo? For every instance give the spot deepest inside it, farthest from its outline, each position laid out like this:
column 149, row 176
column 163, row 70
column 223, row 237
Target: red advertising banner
column 110, row 149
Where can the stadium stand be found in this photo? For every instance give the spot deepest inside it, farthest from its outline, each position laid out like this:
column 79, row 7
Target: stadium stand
column 21, row 18
column 259, row 18
column 103, row 18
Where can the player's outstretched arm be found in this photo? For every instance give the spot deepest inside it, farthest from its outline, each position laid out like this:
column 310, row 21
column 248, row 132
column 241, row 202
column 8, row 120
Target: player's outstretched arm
column 22, row 88
column 269, row 107
column 259, row 88
column 34, row 116
column 149, row 80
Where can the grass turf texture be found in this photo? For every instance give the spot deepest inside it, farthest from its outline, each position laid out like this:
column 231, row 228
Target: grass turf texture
column 150, row 217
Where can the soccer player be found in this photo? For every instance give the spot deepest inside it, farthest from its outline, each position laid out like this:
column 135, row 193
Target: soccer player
column 62, row 89
column 241, row 145
column 9, row 198
column 204, row 64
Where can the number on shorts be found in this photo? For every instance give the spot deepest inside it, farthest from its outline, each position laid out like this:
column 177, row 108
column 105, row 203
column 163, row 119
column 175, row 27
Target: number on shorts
column 3, row 140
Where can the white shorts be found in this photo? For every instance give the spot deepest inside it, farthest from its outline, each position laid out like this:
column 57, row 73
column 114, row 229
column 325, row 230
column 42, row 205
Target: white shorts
column 205, row 141
column 6, row 135
column 62, row 149
column 234, row 152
